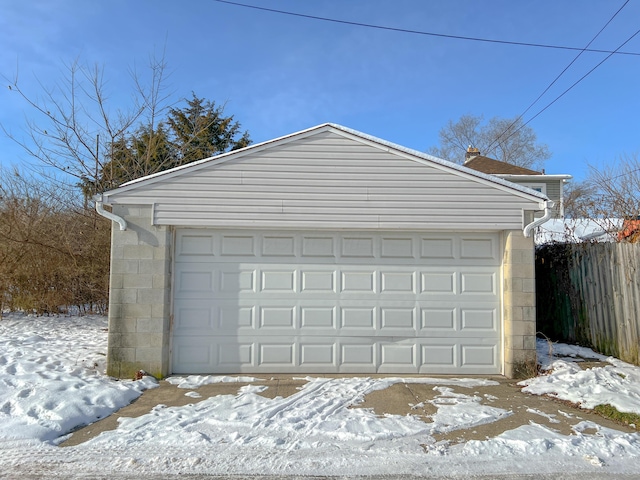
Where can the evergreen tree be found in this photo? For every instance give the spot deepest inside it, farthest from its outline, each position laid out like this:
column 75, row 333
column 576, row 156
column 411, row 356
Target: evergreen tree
column 197, row 131
column 201, row 130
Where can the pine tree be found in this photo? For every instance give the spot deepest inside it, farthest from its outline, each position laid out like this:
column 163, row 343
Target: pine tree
column 201, row 130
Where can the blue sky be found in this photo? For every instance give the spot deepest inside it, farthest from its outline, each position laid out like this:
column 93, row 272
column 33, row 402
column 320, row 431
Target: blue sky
column 279, row 74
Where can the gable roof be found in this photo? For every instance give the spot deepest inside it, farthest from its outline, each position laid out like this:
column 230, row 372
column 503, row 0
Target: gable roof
column 497, row 167
column 329, row 177
column 412, row 154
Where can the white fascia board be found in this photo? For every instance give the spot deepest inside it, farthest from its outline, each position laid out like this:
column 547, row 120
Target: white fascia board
column 541, row 177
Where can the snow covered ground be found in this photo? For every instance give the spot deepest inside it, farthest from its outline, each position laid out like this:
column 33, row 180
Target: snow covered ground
column 51, row 382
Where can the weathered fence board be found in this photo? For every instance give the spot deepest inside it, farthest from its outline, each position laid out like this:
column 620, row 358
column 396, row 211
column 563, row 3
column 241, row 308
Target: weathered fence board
column 590, row 294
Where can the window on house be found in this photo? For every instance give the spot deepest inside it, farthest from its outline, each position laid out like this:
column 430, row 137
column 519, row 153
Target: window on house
column 538, row 187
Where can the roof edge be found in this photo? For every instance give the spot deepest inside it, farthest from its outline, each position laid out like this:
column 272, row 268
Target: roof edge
column 556, row 176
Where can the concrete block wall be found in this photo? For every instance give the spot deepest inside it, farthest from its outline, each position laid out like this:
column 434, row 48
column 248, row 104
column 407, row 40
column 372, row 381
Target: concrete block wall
column 139, row 301
column 519, row 305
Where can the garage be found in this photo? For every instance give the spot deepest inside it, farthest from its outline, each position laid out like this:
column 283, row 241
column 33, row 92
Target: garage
column 335, row 302
column 324, row 251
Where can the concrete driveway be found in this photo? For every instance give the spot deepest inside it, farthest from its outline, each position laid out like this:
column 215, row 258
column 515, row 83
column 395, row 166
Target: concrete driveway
column 399, row 399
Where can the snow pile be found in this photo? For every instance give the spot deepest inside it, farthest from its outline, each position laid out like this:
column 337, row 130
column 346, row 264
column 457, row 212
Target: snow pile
column 51, row 376
column 538, row 441
column 195, row 381
column 617, row 384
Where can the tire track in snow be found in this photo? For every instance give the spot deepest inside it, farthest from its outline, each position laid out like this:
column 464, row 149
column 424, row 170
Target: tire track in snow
column 315, row 403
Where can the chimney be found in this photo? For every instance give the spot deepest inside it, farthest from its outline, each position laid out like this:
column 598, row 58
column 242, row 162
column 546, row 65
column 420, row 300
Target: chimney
column 471, row 152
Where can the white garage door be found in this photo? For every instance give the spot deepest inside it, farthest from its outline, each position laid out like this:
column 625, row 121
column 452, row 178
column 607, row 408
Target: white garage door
column 343, row 302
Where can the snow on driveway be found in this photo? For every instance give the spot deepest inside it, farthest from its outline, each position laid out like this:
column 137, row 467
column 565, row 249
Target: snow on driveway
column 50, row 382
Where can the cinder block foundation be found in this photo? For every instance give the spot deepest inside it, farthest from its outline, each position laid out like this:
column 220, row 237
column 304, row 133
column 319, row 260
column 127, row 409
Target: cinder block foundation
column 519, row 305
column 139, row 303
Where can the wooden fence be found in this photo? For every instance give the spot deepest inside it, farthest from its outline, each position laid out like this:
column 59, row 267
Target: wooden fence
column 590, row 294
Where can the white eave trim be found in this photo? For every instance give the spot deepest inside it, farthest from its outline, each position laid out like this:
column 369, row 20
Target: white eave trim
column 541, row 177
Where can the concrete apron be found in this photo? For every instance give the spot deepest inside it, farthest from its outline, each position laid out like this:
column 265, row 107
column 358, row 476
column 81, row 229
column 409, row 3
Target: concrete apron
column 395, row 400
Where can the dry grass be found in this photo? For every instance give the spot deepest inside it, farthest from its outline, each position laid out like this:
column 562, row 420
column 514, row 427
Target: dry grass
column 623, row 418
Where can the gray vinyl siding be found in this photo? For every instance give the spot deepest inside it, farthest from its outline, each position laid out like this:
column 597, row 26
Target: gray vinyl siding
column 552, row 191
column 327, row 181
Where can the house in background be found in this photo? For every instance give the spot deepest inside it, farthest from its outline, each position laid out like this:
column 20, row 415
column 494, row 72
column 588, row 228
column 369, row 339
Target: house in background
column 551, row 185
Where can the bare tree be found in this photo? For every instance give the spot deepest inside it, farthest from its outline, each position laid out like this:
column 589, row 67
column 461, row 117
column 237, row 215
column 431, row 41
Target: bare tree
column 507, row 140
column 75, row 127
column 53, row 253
column 577, row 198
column 616, row 194
column 54, row 250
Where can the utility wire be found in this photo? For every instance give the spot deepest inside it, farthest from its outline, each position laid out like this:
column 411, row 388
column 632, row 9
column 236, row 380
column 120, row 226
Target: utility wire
column 574, row 84
column 418, row 32
column 506, row 130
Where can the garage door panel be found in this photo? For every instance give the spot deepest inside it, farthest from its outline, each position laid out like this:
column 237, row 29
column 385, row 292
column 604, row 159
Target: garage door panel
column 236, row 318
column 398, row 321
column 446, row 356
column 358, row 320
column 478, row 283
column 358, row 355
column 229, row 355
column 435, row 248
column 195, row 317
column 398, row 357
column 397, row 282
column 358, row 246
column 318, row 246
column 358, row 282
column 194, row 283
column 278, row 355
column 439, row 320
column 278, row 280
column 319, row 355
column 438, row 357
column 318, row 282
column 347, row 318
column 336, row 302
column 276, row 318
column 479, row 248
column 278, row 246
column 243, row 245
column 438, row 283
column 478, row 355
column 195, row 244
column 479, row 319
column 225, row 354
column 237, row 280
column 193, row 354
column 397, row 247
column 316, row 318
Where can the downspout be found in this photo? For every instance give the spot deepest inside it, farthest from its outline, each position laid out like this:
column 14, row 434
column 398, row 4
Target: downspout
column 102, row 212
column 548, row 205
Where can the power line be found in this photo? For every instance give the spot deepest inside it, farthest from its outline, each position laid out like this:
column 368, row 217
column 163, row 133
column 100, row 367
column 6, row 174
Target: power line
column 574, row 84
column 506, row 130
column 418, row 32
